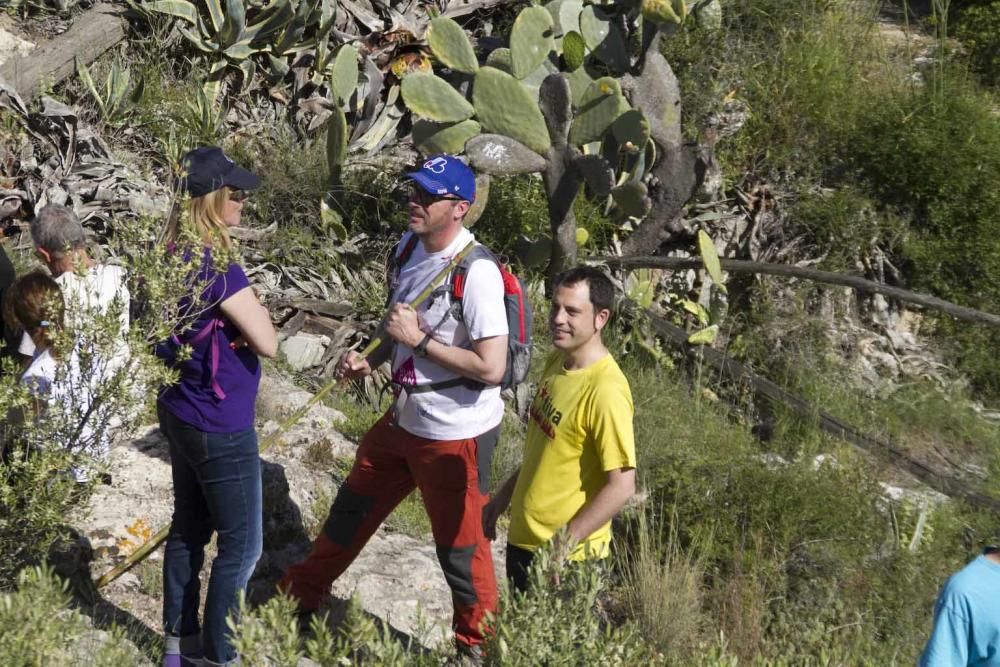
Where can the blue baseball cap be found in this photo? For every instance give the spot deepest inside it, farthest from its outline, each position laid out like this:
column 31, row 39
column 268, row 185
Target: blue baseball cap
column 445, row 175
column 207, row 169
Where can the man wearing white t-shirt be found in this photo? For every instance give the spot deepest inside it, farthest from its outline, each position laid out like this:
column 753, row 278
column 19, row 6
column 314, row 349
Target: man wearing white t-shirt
column 92, row 293
column 89, row 289
column 440, row 432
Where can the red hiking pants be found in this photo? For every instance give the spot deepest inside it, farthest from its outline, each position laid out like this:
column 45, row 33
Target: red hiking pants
column 389, row 464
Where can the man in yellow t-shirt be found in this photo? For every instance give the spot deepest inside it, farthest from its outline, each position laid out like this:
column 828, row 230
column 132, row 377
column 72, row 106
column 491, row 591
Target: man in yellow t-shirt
column 579, row 454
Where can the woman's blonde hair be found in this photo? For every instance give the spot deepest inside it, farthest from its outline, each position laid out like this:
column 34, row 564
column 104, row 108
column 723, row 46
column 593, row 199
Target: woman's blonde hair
column 34, row 303
column 205, row 216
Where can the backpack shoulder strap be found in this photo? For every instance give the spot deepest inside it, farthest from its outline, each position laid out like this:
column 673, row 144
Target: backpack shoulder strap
column 400, row 255
column 461, row 270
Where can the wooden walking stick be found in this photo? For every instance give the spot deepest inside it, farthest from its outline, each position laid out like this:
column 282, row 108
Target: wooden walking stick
column 150, row 545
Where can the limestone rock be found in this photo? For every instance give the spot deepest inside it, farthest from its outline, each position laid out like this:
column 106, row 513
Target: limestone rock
column 12, row 46
column 304, row 350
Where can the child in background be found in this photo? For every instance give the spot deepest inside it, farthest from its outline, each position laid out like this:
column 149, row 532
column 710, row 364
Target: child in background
column 35, row 304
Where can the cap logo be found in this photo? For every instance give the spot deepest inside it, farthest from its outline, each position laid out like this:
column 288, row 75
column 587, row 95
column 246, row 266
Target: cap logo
column 437, row 165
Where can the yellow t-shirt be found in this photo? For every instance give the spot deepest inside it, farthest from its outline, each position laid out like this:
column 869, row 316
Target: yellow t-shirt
column 580, row 427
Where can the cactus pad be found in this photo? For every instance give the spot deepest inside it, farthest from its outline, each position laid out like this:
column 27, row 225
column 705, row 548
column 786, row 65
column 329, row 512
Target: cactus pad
column 604, row 38
column 554, row 102
column 579, row 82
column 430, row 137
column 451, row 46
column 661, row 11
column 530, row 40
column 505, row 107
column 631, row 129
column 482, row 197
column 533, row 253
column 336, row 144
column 502, row 156
column 344, row 77
column 574, row 50
column 597, row 173
column 601, row 105
column 432, row 97
column 631, row 199
column 500, row 59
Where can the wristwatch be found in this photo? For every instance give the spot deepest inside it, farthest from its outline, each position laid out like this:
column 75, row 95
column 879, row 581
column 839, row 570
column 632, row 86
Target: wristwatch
column 421, row 349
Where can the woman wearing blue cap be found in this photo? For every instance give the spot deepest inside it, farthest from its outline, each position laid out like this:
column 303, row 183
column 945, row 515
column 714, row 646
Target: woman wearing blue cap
column 208, row 417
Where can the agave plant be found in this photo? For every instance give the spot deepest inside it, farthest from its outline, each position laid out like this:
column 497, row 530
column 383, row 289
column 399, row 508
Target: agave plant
column 113, row 102
column 567, row 100
column 229, row 38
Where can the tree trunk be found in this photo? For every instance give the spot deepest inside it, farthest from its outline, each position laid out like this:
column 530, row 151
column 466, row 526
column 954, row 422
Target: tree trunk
column 561, row 188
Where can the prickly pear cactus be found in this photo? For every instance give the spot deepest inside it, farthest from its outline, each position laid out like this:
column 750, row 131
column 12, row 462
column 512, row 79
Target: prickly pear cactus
column 451, row 46
column 553, row 102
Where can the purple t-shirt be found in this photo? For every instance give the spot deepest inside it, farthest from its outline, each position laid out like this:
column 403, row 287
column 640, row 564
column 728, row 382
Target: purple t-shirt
column 193, row 400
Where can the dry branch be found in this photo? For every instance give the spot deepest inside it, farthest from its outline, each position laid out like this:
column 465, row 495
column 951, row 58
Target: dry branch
column 828, row 277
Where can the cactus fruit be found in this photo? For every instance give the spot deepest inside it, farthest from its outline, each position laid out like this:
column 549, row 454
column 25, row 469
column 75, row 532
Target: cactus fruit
column 500, row 59
column 430, row 137
column 432, row 97
column 344, row 77
column 631, row 199
column 451, row 46
column 502, row 156
column 574, row 50
column 601, row 105
column 631, row 129
column 505, row 107
column 479, row 205
column 597, row 173
column 530, row 41
column 336, row 144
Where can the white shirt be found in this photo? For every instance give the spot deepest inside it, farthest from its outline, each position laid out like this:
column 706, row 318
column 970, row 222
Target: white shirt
column 69, row 398
column 95, row 291
column 455, row 413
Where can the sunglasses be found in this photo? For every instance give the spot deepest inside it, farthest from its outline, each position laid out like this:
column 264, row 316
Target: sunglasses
column 239, row 195
column 420, row 196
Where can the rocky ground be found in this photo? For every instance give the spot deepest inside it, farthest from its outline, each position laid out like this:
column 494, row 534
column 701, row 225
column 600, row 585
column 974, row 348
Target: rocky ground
column 396, row 577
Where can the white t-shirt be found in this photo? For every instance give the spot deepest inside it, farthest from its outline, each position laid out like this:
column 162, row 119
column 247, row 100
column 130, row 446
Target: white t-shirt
column 95, row 291
column 455, row 413
column 70, row 397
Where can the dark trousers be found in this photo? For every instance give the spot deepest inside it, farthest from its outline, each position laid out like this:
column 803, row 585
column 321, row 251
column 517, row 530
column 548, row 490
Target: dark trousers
column 389, row 464
column 518, row 567
column 217, row 487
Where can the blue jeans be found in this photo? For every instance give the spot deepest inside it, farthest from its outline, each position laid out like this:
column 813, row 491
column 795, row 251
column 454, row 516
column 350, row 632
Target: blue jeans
column 217, row 486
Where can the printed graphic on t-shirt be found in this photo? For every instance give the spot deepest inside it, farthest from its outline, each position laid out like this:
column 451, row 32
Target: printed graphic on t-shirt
column 544, row 413
column 405, row 375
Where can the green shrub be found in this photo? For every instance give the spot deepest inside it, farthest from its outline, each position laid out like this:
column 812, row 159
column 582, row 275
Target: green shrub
column 978, row 29
column 558, row 623
column 40, row 629
column 936, row 160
